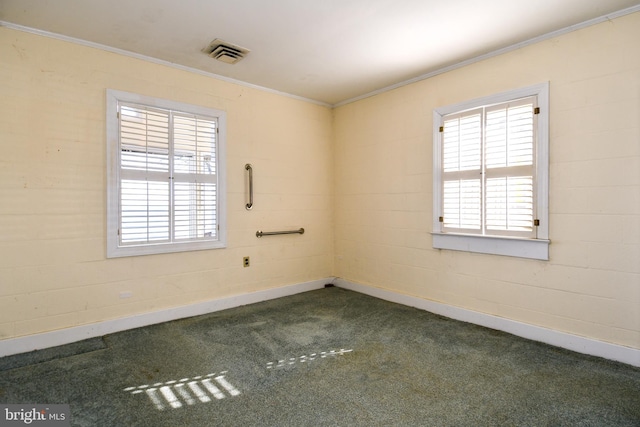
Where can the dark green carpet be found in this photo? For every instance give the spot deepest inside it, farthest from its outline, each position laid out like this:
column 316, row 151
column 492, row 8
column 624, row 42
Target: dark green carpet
column 325, row 358
column 45, row 355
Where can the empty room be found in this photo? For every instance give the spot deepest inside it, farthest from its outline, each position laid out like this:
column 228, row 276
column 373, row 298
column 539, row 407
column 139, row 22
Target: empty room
column 334, row 213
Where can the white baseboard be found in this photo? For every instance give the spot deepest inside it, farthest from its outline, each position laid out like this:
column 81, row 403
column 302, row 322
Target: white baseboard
column 66, row 336
column 575, row 343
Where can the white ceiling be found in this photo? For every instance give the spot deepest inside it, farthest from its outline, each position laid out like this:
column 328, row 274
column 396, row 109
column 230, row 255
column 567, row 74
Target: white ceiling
column 329, row 51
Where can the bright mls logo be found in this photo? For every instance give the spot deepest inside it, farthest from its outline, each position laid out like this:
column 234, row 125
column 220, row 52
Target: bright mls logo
column 35, row 415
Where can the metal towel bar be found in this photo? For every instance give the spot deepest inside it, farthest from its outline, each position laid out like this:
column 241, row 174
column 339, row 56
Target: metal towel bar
column 261, row 233
column 248, row 167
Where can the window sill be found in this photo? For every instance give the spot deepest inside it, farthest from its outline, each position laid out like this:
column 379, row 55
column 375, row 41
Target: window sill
column 114, row 251
column 507, row 246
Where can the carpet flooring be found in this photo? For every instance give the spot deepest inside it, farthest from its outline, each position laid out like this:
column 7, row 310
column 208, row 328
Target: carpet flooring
column 329, row 357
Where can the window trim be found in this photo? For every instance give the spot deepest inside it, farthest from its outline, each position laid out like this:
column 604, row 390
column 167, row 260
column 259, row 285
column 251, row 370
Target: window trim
column 534, row 248
column 114, row 249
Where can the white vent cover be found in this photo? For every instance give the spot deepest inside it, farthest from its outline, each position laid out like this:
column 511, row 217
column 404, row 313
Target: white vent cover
column 225, row 51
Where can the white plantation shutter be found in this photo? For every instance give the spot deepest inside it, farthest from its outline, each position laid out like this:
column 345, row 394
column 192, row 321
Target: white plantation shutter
column 168, row 187
column 509, row 168
column 462, row 163
column 194, row 177
column 488, row 170
column 144, row 175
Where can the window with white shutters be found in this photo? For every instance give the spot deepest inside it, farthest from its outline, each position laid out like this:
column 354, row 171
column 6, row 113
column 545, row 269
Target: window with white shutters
column 165, row 184
column 491, row 174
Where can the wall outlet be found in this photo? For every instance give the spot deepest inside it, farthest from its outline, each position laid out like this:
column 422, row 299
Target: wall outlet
column 245, row 261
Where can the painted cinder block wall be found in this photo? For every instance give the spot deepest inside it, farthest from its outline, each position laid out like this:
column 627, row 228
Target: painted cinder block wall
column 54, row 273
column 590, row 287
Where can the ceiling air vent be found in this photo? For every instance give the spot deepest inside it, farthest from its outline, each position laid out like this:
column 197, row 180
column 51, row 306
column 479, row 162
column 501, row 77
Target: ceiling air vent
column 225, row 51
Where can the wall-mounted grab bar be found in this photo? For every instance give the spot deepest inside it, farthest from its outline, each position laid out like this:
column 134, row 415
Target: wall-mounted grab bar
column 248, row 167
column 261, row 233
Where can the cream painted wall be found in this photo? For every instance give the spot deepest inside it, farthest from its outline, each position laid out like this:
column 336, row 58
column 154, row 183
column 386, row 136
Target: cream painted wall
column 53, row 269
column 383, row 171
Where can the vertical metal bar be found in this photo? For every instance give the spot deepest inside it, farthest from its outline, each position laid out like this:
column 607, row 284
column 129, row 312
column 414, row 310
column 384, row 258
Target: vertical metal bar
column 248, row 167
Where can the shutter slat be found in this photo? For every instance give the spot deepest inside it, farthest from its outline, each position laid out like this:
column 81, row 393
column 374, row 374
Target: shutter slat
column 194, row 211
column 509, row 203
column 462, row 204
column 144, row 211
column 462, row 139
column 195, row 145
column 144, row 138
column 509, row 136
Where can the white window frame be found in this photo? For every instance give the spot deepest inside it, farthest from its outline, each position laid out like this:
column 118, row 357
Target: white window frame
column 534, row 248
column 114, row 248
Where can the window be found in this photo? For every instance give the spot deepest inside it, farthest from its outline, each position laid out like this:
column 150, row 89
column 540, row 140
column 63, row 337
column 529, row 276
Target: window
column 165, row 176
column 491, row 174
